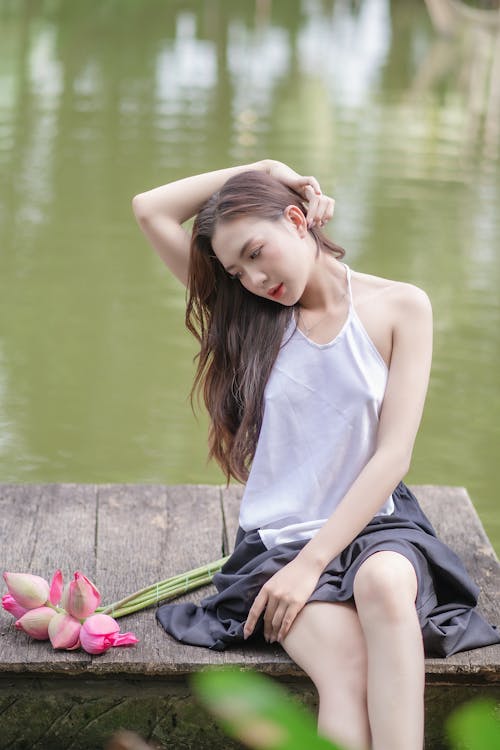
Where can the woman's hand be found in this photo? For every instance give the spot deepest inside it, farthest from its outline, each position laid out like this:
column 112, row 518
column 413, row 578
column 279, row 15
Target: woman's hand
column 282, row 598
column 320, row 207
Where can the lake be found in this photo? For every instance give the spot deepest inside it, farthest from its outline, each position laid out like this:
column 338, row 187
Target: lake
column 104, row 99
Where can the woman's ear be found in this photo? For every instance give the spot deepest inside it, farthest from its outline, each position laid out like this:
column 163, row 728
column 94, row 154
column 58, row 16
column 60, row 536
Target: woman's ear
column 296, row 217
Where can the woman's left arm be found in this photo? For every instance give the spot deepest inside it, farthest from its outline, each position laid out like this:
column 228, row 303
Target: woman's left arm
column 284, row 595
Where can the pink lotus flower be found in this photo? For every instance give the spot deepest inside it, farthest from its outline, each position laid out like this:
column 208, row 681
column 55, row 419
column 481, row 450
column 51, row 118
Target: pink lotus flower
column 64, row 631
column 10, row 605
column 29, row 591
column 80, row 597
column 35, row 622
column 56, row 587
column 101, row 632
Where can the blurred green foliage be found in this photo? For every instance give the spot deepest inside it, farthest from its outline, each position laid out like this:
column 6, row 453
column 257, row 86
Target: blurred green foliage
column 256, row 711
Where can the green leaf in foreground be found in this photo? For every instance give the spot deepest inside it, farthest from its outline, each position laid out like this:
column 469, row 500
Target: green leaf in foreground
column 256, row 711
column 475, row 726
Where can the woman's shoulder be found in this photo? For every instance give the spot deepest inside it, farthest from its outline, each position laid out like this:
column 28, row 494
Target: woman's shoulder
column 368, row 289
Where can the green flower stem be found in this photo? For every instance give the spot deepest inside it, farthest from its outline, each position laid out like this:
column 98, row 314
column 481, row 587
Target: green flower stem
column 163, row 590
column 161, row 593
column 136, row 606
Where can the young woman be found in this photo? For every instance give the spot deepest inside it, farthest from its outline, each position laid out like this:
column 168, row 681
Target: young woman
column 314, row 377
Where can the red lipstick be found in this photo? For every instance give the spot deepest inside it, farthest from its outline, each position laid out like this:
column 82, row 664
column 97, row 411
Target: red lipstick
column 277, row 291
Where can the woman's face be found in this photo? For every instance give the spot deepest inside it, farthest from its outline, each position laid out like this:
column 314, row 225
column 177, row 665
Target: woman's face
column 271, row 259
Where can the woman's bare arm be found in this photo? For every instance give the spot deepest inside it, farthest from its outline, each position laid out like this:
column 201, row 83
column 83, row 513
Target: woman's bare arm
column 162, row 211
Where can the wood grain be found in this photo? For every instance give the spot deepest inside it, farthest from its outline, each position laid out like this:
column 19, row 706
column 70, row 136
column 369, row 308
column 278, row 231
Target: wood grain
column 44, row 527
column 146, row 534
column 125, row 537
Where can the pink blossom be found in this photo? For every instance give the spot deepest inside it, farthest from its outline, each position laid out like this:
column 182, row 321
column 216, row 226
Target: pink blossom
column 56, row 587
column 64, row 631
column 80, row 597
column 29, row 591
column 10, row 605
column 100, row 632
column 35, row 622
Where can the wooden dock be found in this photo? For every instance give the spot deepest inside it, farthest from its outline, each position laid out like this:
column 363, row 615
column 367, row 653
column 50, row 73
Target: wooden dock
column 124, row 537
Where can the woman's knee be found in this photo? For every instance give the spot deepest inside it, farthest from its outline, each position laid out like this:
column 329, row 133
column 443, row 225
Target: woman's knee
column 386, row 586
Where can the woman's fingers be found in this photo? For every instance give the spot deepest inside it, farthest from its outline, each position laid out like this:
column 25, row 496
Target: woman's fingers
column 327, row 207
column 279, row 617
column 277, row 614
column 287, row 622
column 313, row 205
column 308, row 183
column 320, row 208
column 255, row 612
column 276, row 624
column 280, row 600
column 288, row 176
column 281, row 621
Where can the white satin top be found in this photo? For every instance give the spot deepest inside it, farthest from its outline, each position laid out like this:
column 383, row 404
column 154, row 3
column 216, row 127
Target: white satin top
column 321, row 412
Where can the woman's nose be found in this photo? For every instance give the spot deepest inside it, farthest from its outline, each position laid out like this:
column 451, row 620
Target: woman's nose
column 256, row 277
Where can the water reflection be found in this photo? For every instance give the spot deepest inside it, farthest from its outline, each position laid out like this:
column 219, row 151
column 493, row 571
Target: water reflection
column 100, row 100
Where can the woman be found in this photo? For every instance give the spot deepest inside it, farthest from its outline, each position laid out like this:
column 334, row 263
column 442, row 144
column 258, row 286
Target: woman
column 314, row 377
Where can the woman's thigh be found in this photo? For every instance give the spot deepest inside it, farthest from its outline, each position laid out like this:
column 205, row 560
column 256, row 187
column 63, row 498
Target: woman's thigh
column 326, row 641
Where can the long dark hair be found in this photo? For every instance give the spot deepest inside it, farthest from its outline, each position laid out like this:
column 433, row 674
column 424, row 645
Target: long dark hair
column 239, row 333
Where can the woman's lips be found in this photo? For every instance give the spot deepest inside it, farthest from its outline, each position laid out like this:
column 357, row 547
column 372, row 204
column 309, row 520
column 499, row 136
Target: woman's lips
column 276, row 291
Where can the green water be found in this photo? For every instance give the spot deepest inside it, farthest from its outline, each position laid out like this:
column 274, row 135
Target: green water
column 102, row 99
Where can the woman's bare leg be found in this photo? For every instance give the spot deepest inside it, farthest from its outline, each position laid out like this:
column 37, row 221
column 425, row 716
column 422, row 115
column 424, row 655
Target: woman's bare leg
column 385, row 589
column 327, row 642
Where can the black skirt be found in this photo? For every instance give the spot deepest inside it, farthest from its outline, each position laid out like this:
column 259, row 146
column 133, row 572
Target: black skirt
column 445, row 602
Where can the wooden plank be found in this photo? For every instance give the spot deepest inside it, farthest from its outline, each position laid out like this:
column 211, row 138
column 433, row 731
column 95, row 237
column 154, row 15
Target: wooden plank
column 19, row 510
column 456, row 522
column 455, row 519
column 231, row 499
column 267, row 658
column 145, row 534
column 45, row 527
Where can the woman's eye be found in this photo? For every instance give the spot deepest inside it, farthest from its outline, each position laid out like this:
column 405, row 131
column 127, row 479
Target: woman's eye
column 255, row 253
column 235, row 276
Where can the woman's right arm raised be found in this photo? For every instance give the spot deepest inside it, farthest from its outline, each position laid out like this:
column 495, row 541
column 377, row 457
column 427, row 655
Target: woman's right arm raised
column 162, row 211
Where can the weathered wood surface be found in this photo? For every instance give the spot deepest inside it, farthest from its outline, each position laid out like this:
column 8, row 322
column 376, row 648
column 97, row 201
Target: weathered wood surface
column 127, row 536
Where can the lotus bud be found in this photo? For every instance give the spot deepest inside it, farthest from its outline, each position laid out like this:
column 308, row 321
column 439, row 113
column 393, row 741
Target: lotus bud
column 80, row 597
column 100, row 632
column 35, row 622
column 56, row 587
column 29, row 591
column 64, row 631
column 10, row 605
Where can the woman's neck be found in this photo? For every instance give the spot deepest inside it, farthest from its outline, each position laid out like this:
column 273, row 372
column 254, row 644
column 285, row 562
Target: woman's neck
column 326, row 287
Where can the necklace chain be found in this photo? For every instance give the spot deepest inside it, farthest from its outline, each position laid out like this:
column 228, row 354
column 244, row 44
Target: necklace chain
column 309, row 328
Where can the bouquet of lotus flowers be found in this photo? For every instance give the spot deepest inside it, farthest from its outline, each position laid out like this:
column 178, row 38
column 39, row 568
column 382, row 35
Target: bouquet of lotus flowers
column 70, row 616
column 64, row 615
